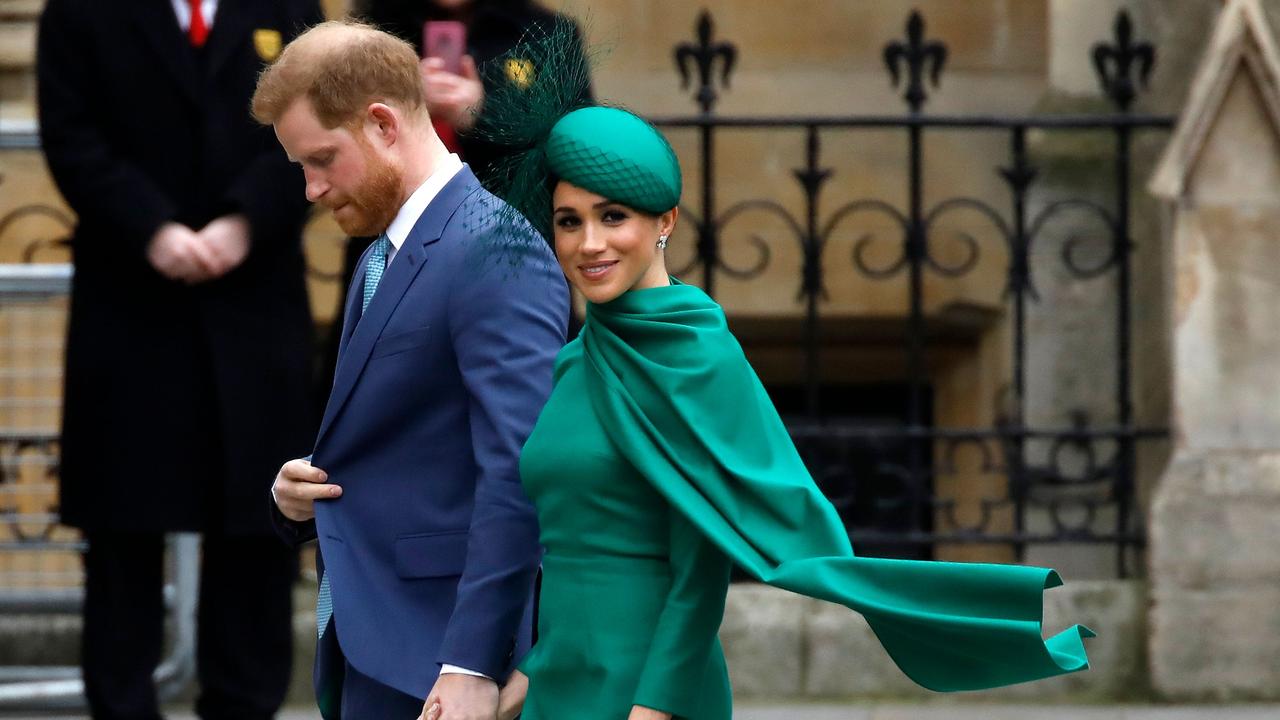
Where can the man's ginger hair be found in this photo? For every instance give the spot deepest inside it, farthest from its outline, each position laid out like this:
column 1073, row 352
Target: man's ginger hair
column 341, row 66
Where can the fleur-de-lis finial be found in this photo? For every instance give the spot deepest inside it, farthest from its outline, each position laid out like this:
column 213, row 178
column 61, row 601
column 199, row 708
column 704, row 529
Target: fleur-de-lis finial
column 1114, row 63
column 916, row 53
column 705, row 54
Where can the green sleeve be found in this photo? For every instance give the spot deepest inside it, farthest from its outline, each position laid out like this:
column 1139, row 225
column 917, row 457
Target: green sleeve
column 683, row 642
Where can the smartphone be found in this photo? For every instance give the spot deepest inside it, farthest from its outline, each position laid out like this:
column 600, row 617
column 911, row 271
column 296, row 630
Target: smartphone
column 447, row 40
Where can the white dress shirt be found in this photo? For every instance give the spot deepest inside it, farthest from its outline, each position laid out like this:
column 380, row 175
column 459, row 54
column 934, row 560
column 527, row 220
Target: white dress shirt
column 397, row 232
column 182, row 8
column 417, row 203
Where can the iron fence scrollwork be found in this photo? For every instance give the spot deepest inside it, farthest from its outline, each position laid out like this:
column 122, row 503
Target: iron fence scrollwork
column 897, row 463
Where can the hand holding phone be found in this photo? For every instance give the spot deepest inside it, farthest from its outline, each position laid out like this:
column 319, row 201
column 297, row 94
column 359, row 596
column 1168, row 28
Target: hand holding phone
column 446, row 40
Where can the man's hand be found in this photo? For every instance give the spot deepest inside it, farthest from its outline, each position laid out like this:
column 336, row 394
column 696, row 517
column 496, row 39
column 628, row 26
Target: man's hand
column 455, row 99
column 178, row 254
column 639, row 712
column 297, row 487
column 461, row 697
column 511, row 698
column 226, row 240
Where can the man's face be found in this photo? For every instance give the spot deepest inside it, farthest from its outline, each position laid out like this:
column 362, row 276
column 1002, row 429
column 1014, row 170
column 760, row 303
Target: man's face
column 345, row 171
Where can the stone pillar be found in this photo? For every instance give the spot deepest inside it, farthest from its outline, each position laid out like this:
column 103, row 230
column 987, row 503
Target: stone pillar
column 1215, row 520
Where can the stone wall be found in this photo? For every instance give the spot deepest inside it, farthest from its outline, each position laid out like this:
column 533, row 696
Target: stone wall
column 1215, row 620
column 17, row 56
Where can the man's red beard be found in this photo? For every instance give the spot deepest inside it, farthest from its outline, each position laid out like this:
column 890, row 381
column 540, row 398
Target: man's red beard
column 373, row 204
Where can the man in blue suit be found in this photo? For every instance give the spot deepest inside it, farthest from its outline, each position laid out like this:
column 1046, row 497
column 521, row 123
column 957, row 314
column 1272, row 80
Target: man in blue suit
column 454, row 318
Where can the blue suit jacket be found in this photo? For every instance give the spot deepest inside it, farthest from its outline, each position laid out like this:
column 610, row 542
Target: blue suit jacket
column 432, row 549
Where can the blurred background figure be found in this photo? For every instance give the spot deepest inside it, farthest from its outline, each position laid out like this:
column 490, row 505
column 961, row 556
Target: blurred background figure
column 455, row 95
column 188, row 369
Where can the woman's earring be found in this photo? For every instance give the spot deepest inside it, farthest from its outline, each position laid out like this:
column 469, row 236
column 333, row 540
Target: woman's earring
column 662, row 242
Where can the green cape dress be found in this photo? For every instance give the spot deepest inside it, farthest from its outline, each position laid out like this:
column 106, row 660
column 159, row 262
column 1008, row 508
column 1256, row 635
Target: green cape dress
column 656, row 388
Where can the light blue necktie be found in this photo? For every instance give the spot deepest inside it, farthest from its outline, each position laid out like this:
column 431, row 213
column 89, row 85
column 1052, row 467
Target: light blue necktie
column 374, row 268
column 324, row 606
column 373, row 271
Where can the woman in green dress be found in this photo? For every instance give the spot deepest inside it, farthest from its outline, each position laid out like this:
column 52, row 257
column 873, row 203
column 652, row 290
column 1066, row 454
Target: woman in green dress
column 632, row 592
column 659, row 462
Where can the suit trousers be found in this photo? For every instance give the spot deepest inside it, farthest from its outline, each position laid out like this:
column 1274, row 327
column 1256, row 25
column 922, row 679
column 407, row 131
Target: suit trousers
column 244, row 638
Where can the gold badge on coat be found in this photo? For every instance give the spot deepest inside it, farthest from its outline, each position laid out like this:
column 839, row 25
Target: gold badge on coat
column 519, row 72
column 268, row 43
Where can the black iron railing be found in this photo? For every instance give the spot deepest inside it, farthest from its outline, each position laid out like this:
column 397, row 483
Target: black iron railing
column 882, row 476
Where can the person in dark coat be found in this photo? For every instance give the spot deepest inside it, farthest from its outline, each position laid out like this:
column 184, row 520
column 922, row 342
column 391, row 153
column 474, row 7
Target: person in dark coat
column 188, row 365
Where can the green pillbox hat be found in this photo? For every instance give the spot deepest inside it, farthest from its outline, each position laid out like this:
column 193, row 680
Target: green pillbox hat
column 617, row 155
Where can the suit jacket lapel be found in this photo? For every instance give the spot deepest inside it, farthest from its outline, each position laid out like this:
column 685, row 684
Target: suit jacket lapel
column 351, row 312
column 159, row 25
column 355, row 294
column 342, row 382
column 399, row 276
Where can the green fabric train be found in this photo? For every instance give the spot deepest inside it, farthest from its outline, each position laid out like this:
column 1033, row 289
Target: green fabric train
column 682, row 404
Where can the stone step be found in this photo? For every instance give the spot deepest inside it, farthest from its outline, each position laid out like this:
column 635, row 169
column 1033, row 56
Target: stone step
column 778, row 646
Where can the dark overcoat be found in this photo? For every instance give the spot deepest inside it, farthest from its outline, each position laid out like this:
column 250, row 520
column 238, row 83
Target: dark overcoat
column 181, row 401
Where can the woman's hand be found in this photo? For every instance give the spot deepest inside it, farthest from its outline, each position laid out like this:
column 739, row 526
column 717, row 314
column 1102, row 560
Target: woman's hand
column 511, row 699
column 643, row 713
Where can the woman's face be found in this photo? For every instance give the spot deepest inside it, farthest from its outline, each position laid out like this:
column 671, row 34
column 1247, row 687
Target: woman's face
column 606, row 248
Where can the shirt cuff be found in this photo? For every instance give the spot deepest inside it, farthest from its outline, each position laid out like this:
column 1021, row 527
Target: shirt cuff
column 447, row 669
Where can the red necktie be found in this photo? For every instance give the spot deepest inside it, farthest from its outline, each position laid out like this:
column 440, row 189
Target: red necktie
column 198, row 32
